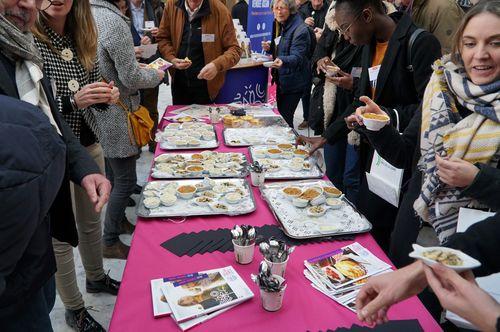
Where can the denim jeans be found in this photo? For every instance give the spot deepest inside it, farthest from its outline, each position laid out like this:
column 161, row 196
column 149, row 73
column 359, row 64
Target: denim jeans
column 34, row 316
column 121, row 173
column 342, row 168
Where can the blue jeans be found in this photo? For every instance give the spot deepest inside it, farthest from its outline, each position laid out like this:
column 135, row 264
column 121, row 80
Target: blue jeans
column 34, row 315
column 342, row 168
column 121, row 173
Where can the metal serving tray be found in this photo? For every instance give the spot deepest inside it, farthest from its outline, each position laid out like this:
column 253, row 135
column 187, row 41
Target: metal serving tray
column 221, row 171
column 187, row 207
column 285, row 172
column 258, row 136
column 297, row 224
column 265, row 121
column 204, row 144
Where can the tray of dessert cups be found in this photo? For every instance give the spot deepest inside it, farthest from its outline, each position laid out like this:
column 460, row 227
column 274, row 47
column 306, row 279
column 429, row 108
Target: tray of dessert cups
column 196, row 197
column 253, row 121
column 285, row 162
column 186, row 136
column 258, row 136
column 199, row 165
column 313, row 208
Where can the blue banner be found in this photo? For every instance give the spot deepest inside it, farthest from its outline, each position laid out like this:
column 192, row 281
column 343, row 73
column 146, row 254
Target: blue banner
column 260, row 23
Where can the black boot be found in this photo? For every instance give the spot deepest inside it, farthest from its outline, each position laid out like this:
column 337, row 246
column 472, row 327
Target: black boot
column 81, row 321
column 105, row 285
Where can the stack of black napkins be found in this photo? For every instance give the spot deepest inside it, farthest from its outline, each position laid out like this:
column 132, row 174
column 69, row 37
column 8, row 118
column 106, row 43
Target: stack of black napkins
column 394, row 325
column 193, row 243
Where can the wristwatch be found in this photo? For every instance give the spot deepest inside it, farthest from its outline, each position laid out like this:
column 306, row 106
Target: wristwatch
column 73, row 103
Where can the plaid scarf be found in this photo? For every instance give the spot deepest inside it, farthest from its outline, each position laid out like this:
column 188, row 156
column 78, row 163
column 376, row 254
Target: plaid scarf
column 475, row 138
column 15, row 44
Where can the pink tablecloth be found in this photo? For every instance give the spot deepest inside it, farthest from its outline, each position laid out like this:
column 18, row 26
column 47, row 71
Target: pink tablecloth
column 304, row 308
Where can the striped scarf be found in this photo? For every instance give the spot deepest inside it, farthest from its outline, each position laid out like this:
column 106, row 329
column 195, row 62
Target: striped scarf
column 475, row 138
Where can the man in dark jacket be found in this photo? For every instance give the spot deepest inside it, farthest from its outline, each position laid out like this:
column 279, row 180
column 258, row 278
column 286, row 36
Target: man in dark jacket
column 22, row 78
column 32, row 156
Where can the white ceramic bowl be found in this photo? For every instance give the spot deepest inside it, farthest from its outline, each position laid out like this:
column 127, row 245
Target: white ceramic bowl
column 268, row 64
column 195, row 170
column 374, row 124
column 316, row 211
column 468, row 263
column 168, row 199
column 291, row 196
column 194, row 142
column 219, row 207
column 334, row 203
column 203, row 201
column 300, row 202
column 186, row 195
column 318, row 200
column 151, row 202
column 332, row 195
column 233, row 198
column 296, row 167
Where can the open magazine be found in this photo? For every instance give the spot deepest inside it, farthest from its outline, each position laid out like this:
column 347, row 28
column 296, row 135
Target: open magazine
column 208, row 292
column 345, row 266
column 340, row 274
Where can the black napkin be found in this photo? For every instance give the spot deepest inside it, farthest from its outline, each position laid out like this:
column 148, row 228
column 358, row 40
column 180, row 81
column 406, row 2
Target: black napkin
column 220, row 240
column 394, row 325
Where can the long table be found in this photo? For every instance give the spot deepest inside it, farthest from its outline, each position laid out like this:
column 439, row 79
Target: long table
column 303, row 309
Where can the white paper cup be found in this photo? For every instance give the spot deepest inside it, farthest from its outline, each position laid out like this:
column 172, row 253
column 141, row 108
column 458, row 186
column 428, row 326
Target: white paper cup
column 257, row 178
column 278, row 268
column 244, row 254
column 272, row 301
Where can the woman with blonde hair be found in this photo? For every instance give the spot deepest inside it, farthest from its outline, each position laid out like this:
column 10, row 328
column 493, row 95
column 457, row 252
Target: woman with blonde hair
column 453, row 140
column 66, row 36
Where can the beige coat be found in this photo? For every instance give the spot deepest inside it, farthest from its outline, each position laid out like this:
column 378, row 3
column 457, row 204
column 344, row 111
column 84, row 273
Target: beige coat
column 439, row 17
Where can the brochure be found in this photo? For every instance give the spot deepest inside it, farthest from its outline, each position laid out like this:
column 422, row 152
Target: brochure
column 160, row 304
column 221, row 288
column 345, row 266
column 160, row 64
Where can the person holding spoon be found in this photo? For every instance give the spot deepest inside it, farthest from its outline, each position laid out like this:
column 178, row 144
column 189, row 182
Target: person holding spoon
column 452, row 142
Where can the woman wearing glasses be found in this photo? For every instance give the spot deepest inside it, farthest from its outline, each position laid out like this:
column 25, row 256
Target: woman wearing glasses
column 390, row 78
column 66, row 36
column 291, row 48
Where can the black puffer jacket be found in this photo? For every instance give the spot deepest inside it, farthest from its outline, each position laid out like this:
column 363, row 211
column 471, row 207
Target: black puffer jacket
column 32, row 164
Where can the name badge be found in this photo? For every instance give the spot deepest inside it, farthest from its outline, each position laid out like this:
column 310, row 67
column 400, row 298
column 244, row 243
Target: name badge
column 373, row 75
column 207, row 38
column 277, row 40
column 356, row 72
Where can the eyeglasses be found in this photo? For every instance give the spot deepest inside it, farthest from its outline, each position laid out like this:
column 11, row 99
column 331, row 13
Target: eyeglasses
column 342, row 31
column 43, row 4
